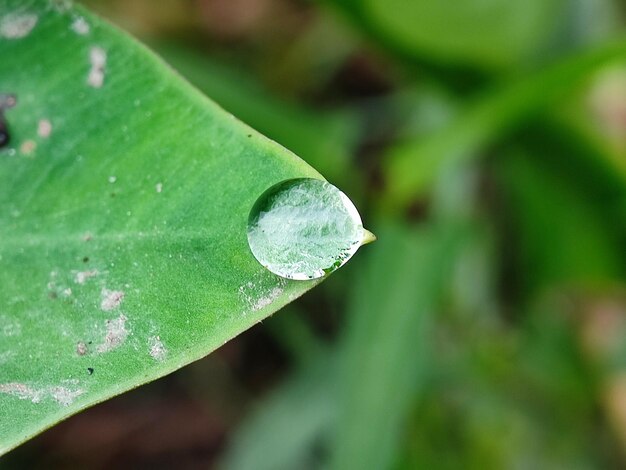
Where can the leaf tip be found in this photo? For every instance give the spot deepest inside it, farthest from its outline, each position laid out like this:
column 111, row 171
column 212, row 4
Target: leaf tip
column 368, row 237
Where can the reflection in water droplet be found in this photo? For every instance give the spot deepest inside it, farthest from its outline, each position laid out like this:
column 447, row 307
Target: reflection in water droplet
column 304, row 228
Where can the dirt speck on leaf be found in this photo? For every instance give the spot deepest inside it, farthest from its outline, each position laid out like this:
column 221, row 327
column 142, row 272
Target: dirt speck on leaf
column 98, row 60
column 157, row 349
column 111, row 299
column 44, row 128
column 17, row 25
column 115, row 335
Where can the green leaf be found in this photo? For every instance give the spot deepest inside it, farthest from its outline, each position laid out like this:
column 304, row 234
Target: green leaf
column 323, row 139
column 300, row 413
column 385, row 353
column 490, row 34
column 591, row 114
column 124, row 200
column 413, row 165
column 561, row 236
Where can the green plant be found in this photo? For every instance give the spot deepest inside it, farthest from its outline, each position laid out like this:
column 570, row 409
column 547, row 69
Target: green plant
column 125, row 197
column 485, row 142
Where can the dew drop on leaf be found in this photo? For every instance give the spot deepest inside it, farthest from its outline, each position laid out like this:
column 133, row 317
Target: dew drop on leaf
column 304, row 229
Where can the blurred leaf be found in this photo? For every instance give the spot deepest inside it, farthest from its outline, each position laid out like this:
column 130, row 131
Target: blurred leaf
column 313, row 59
column 583, row 163
column 556, row 235
column 295, row 335
column 124, row 202
column 489, row 34
column 412, row 166
column 385, row 351
column 287, row 428
column 595, row 113
column 590, row 21
column 499, row 394
column 602, row 336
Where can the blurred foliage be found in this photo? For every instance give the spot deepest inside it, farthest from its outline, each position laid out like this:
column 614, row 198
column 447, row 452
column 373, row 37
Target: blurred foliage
column 448, row 31
column 487, row 326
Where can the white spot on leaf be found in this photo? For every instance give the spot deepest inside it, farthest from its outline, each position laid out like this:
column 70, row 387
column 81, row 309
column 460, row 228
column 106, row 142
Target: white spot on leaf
column 17, row 25
column 80, row 26
column 44, row 128
column 81, row 348
column 61, row 6
column 111, row 299
column 116, row 334
column 98, row 59
column 258, row 297
column 157, row 349
column 82, row 276
column 21, row 391
column 267, row 299
column 62, row 395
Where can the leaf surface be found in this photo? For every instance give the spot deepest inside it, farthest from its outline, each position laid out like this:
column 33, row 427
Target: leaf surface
column 124, row 199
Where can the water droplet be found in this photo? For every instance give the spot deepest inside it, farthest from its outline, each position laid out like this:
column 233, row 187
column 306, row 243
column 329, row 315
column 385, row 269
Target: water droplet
column 304, row 228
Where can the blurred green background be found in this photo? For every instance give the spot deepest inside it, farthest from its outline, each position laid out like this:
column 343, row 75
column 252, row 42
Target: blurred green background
column 484, row 142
